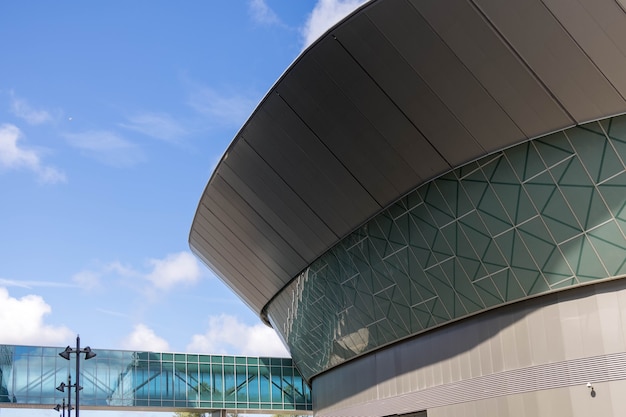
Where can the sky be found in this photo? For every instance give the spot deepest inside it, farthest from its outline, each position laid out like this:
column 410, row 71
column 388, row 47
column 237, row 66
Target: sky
column 113, row 115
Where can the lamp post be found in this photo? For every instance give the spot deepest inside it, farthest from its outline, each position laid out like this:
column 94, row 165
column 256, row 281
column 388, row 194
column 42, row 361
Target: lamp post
column 69, row 395
column 66, row 355
column 60, row 407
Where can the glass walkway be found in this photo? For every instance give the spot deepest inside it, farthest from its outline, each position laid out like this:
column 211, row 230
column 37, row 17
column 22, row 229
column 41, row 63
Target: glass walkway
column 151, row 381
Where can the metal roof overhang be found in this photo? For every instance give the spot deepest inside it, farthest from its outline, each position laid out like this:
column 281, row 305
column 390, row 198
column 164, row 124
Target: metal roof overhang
column 396, row 94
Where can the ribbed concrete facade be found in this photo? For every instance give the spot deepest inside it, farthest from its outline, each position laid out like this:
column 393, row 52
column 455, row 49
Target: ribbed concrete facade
column 529, row 359
column 429, row 207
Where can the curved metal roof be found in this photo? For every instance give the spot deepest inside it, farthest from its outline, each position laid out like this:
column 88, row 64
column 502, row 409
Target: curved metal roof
column 398, row 93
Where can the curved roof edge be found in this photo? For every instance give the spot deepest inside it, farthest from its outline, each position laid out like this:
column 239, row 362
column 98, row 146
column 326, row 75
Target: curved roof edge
column 393, row 96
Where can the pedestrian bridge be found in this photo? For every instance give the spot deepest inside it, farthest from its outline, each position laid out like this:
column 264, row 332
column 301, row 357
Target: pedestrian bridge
column 152, row 381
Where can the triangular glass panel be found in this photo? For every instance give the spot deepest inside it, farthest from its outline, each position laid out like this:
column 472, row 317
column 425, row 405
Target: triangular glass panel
column 525, row 161
column 475, row 186
column 583, row 259
column 556, row 268
column 507, row 285
column 488, row 292
column 553, row 148
column 610, row 246
column 437, row 206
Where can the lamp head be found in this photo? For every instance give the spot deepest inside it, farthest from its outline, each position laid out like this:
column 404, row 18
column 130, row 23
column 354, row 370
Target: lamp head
column 58, row 407
column 66, row 353
column 61, row 388
column 89, row 353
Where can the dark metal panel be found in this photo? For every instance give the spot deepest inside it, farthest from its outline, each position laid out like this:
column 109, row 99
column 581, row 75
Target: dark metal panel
column 444, row 73
column 283, row 210
column 344, row 130
column 407, row 90
column 599, row 28
column 554, row 56
column 235, row 252
column 244, row 289
column 262, row 240
column 401, row 139
column 496, row 67
column 308, row 168
column 212, row 254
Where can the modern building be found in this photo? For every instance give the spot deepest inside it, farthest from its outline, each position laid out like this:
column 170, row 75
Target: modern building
column 429, row 207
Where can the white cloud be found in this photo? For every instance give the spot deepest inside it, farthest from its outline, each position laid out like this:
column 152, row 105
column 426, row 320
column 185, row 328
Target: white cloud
column 144, row 338
column 227, row 335
column 87, row 280
column 23, row 322
column 23, row 110
column 107, row 147
column 176, row 269
column 262, row 13
column 222, row 109
column 324, row 15
column 156, row 125
column 12, row 156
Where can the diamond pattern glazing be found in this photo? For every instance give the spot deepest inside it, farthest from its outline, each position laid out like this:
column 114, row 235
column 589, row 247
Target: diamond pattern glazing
column 544, row 215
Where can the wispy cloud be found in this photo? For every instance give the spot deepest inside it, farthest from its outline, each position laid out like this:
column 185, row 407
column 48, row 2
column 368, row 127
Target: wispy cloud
column 107, row 147
column 23, row 321
column 261, row 13
column 32, row 284
column 156, row 125
column 227, row 335
column 177, row 269
column 220, row 108
column 22, row 109
column 14, row 157
column 324, row 15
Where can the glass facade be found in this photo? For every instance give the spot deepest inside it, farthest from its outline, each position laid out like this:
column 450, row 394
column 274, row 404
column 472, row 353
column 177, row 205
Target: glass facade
column 30, row 375
column 542, row 216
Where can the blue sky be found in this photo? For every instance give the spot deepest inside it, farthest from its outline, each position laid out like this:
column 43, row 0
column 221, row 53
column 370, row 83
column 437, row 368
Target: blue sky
column 112, row 117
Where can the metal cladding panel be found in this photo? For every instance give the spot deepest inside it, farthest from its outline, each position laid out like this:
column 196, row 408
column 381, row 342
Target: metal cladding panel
column 308, row 168
column 437, row 65
column 398, row 135
column 346, row 132
column 599, row 28
column 555, row 57
column 291, row 218
column 233, row 253
column 407, row 90
column 228, row 273
column 257, row 234
column 461, row 26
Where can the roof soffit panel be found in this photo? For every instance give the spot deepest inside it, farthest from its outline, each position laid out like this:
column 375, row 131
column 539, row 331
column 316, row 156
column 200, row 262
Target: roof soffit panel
column 287, row 214
column 411, row 94
column 251, row 228
column 497, row 68
column 307, row 167
column 554, row 57
column 318, row 101
column 396, row 130
column 233, row 252
column 444, row 73
column 294, row 133
column 226, row 273
column 599, row 28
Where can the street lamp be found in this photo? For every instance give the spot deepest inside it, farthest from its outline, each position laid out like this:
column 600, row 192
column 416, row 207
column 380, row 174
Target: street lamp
column 66, row 355
column 60, row 407
column 69, row 395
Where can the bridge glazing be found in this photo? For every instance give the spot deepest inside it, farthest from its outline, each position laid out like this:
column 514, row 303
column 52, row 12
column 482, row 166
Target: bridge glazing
column 157, row 381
